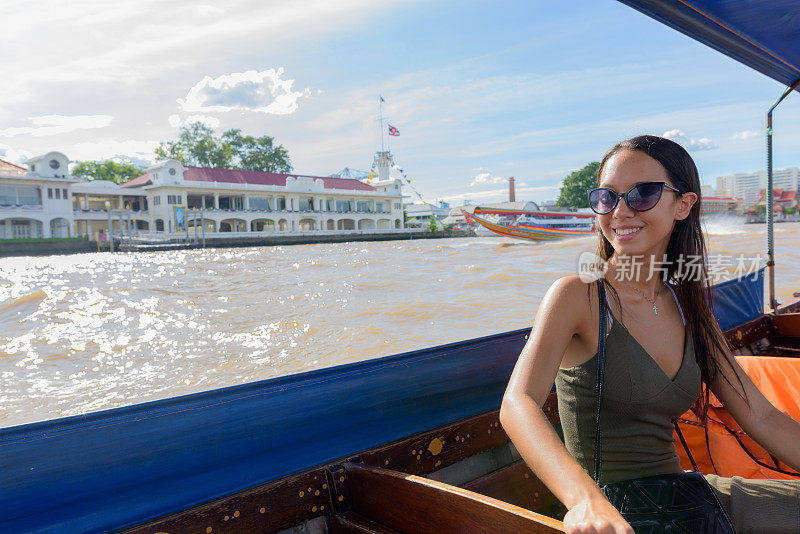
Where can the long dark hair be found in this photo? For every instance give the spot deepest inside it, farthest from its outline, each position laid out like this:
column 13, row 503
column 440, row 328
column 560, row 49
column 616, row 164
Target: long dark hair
column 687, row 240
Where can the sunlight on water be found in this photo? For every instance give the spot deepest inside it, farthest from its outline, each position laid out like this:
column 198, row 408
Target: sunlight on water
column 89, row 332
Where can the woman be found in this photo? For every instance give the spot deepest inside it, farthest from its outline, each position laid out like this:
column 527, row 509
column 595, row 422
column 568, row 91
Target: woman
column 663, row 342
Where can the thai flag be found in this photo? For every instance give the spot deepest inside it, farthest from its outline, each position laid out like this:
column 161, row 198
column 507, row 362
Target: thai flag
column 393, row 131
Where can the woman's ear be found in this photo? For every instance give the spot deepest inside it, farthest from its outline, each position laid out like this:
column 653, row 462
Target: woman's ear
column 685, row 203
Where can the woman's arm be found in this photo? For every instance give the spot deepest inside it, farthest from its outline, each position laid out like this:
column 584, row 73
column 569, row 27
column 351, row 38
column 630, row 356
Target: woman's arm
column 778, row 433
column 557, row 320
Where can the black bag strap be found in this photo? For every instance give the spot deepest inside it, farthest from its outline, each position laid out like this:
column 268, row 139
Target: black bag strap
column 601, row 366
column 685, row 447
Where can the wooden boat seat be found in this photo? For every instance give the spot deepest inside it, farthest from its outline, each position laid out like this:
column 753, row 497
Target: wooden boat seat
column 414, row 504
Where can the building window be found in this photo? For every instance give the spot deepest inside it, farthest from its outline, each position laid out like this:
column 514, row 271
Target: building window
column 362, row 206
column 175, row 199
column 379, row 206
column 237, row 203
column 260, row 203
column 64, row 193
column 58, row 193
column 306, row 204
column 330, row 205
column 49, row 192
column 280, row 203
column 156, row 200
column 33, row 168
column 21, row 195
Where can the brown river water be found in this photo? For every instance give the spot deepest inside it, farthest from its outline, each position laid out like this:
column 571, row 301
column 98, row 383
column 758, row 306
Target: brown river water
column 109, row 330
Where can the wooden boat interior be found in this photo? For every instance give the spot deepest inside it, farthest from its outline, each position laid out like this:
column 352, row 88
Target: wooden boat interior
column 462, row 477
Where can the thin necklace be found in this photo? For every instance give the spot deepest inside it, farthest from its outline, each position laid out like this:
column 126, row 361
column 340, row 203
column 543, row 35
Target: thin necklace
column 653, row 301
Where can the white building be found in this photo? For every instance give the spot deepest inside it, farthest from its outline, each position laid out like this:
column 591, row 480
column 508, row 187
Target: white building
column 43, row 201
column 238, row 201
column 36, row 202
column 746, row 186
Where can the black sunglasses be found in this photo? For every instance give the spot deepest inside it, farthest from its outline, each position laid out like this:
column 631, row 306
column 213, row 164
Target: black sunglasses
column 640, row 197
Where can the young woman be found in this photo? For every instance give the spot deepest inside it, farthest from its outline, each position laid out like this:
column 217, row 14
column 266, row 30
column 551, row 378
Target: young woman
column 662, row 344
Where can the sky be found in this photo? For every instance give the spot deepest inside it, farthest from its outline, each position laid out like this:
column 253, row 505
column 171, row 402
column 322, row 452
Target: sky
column 479, row 90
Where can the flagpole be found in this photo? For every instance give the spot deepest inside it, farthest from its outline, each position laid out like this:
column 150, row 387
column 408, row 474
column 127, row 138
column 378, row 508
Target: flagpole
column 380, row 105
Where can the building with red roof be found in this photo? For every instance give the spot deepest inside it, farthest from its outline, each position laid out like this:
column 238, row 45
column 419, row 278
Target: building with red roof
column 240, row 201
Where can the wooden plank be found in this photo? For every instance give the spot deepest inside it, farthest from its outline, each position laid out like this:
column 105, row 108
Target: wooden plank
column 516, row 484
column 416, row 505
column 353, row 523
column 269, row 508
column 446, row 445
column 787, row 324
column 749, row 332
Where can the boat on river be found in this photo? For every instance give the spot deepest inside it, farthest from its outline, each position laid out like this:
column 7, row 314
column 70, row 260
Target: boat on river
column 404, row 443
column 533, row 225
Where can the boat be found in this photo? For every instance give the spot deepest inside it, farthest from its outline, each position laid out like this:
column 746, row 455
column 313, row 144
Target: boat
column 403, row 443
column 534, row 225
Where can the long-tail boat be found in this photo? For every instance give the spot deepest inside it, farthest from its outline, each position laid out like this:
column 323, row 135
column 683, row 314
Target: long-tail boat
column 535, row 225
column 404, row 443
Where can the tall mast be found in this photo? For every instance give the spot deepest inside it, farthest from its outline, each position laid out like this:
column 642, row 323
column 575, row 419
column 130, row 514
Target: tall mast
column 380, row 105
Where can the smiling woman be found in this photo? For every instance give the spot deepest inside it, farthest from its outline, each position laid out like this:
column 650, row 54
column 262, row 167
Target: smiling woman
column 664, row 356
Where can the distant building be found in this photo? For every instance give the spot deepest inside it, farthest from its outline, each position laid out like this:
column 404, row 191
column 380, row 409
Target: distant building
column 710, row 205
column 419, row 214
column 746, row 186
column 35, row 202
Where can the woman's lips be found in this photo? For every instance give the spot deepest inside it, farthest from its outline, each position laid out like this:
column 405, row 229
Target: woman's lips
column 628, row 233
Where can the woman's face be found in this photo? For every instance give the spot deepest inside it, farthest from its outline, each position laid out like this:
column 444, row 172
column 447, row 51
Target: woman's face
column 651, row 229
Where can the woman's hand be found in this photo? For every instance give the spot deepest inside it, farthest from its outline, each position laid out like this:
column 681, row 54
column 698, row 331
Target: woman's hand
column 595, row 516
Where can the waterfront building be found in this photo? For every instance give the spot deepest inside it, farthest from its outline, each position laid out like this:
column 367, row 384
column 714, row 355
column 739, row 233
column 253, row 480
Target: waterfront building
column 419, row 214
column 711, row 205
column 243, row 202
column 42, row 200
column 35, row 201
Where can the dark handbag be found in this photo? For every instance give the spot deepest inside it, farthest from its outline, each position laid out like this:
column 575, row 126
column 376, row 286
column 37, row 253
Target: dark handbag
column 677, row 502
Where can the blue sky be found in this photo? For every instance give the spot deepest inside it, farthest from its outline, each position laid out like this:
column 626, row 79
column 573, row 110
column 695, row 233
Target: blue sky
column 479, row 90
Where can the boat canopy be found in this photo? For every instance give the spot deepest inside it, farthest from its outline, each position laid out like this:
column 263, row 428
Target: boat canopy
column 762, row 34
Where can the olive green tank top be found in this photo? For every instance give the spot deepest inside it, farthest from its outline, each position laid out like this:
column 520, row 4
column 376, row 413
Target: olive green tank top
column 639, row 404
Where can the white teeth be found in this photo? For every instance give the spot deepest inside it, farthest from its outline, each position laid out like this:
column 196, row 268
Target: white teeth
column 627, row 231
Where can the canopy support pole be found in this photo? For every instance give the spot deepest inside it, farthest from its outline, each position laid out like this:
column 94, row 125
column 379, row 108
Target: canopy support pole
column 770, row 245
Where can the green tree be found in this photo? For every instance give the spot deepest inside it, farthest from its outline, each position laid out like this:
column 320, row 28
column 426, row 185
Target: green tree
column 106, row 170
column 432, row 227
column 760, row 209
column 575, row 186
column 257, row 153
column 197, row 145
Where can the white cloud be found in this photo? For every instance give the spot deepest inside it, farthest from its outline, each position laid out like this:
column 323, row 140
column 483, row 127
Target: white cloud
column 502, row 193
column 58, row 124
column 14, row 155
column 485, row 177
column 137, row 152
column 260, row 91
column 175, row 120
column 691, row 144
column 744, row 135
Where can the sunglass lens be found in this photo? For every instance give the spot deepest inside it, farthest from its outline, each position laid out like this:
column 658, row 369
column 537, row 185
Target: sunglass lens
column 644, row 196
column 602, row 201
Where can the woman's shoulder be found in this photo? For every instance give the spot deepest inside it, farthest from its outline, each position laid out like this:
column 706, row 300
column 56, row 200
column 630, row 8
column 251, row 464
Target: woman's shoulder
column 568, row 296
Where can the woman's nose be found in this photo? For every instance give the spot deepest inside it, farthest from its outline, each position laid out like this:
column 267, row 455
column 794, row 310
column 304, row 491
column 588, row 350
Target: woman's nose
column 622, row 210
